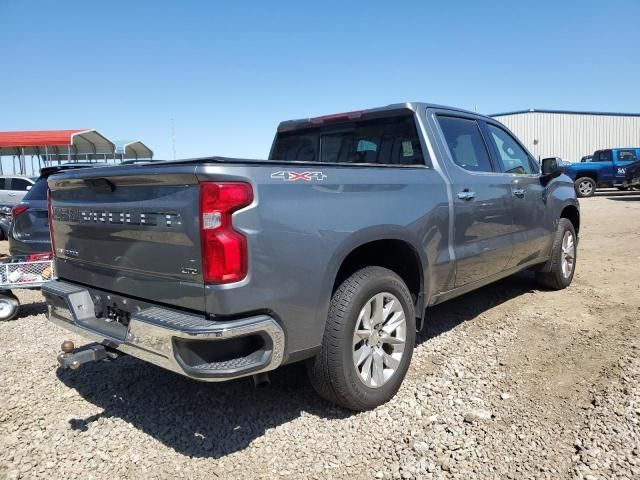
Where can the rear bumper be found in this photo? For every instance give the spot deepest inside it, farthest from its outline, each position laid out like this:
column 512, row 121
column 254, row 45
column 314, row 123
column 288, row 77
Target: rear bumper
column 181, row 342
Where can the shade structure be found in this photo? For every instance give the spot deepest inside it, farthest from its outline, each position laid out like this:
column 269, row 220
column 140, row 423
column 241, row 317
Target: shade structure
column 133, row 150
column 55, row 142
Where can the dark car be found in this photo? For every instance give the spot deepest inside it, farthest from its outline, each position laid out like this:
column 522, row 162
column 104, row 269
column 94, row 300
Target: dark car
column 29, row 230
column 632, row 179
column 5, row 221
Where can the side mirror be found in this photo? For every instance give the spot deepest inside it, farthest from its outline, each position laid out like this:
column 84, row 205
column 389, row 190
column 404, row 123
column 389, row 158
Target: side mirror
column 28, row 187
column 551, row 168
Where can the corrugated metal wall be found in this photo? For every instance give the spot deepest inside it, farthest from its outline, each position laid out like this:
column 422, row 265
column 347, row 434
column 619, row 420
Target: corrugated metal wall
column 572, row 136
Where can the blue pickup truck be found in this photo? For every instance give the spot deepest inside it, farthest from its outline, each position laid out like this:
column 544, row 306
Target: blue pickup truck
column 607, row 168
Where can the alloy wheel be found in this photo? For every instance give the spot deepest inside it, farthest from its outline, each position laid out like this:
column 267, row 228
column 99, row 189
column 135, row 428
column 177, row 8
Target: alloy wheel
column 379, row 339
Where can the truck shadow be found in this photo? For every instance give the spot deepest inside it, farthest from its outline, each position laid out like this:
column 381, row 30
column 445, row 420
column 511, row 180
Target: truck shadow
column 193, row 418
column 614, row 193
column 627, row 198
column 216, row 419
column 446, row 316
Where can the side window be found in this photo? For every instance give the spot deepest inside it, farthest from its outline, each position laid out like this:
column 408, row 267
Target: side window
column 627, row 156
column 20, row 184
column 513, row 157
column 465, row 143
column 4, row 184
column 603, row 156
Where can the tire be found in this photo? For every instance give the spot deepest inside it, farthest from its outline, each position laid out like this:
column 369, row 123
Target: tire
column 585, row 187
column 9, row 305
column 559, row 277
column 334, row 372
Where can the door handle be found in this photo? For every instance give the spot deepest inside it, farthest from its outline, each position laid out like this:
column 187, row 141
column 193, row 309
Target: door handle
column 466, row 194
column 518, row 192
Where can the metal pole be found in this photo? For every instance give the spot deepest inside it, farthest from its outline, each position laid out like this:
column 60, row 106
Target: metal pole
column 23, row 166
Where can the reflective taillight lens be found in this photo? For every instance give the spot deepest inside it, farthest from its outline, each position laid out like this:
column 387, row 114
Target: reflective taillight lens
column 224, row 250
column 19, row 209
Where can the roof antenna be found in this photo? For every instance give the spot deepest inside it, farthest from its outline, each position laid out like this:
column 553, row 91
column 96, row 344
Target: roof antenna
column 476, row 108
column 173, row 138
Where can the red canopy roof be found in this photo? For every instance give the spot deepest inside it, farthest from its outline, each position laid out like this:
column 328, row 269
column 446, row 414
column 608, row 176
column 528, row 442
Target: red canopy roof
column 36, row 142
column 37, row 138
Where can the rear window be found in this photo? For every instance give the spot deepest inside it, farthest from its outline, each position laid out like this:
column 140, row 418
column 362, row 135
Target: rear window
column 38, row 191
column 384, row 141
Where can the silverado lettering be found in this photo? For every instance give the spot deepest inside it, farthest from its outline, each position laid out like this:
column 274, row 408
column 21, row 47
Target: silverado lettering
column 129, row 217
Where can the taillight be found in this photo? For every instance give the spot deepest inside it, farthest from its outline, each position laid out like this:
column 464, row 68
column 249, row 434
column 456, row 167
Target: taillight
column 50, row 215
column 224, row 250
column 19, row 209
column 39, row 257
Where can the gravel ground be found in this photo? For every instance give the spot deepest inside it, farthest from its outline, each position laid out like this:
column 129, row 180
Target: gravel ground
column 506, row 382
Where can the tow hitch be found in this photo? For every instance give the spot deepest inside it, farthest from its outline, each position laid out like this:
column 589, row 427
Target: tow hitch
column 94, row 352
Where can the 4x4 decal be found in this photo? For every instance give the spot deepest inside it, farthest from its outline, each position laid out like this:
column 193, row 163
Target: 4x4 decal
column 291, row 176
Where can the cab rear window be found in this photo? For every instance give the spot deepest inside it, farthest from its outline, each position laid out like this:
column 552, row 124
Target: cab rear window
column 383, row 141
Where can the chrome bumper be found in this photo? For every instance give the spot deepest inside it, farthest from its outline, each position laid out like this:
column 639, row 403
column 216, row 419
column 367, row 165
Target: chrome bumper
column 181, row 342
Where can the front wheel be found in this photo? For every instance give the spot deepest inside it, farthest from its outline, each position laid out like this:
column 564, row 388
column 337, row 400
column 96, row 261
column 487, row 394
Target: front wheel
column 9, row 305
column 585, row 187
column 368, row 341
column 563, row 258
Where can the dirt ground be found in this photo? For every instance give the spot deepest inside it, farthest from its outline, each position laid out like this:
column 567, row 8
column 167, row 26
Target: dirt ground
column 554, row 376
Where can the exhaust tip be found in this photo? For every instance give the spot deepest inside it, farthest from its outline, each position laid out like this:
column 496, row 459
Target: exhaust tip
column 261, row 380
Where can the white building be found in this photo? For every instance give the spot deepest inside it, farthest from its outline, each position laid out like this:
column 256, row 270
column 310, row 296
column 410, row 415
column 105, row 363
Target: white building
column 572, row 135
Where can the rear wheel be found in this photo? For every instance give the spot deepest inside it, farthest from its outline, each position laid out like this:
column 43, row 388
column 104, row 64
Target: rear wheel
column 563, row 258
column 9, row 305
column 585, row 187
column 368, row 341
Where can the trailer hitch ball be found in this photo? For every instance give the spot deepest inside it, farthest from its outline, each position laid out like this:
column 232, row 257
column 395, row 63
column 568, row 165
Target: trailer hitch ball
column 67, row 346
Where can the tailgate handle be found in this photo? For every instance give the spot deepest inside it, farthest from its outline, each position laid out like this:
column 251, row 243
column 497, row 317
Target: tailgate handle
column 101, row 185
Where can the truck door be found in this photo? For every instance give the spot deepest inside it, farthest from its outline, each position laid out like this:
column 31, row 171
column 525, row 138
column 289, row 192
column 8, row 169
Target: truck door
column 532, row 229
column 482, row 202
column 622, row 158
column 605, row 166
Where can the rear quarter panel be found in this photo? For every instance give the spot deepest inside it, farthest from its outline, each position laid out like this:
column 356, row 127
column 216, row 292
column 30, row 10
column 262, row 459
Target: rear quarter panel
column 299, row 233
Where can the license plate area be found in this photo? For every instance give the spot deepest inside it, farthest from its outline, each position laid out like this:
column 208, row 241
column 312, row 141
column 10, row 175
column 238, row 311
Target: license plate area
column 117, row 315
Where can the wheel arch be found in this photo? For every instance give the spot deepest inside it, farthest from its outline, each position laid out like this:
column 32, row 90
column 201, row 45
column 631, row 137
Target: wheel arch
column 592, row 174
column 572, row 213
column 389, row 248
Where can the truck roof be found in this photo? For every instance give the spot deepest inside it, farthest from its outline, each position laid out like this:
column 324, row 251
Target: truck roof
column 289, row 125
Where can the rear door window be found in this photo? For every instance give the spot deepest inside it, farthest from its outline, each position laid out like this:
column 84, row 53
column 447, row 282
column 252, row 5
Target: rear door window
column 4, row 184
column 627, row 156
column 383, row 141
column 465, row 143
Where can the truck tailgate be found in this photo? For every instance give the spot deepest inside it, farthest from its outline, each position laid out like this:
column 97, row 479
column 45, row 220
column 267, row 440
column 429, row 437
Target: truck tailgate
column 130, row 230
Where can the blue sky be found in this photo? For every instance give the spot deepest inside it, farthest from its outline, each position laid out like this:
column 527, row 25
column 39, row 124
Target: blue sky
column 228, row 72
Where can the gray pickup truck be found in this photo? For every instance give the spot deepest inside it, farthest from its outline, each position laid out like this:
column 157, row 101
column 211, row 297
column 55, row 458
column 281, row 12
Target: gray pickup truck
column 330, row 251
